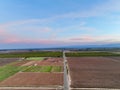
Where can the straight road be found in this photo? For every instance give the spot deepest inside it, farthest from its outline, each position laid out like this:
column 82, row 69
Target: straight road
column 66, row 76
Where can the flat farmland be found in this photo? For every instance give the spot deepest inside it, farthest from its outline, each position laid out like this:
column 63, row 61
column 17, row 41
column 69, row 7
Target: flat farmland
column 47, row 61
column 51, row 65
column 94, row 72
column 33, row 72
column 34, row 79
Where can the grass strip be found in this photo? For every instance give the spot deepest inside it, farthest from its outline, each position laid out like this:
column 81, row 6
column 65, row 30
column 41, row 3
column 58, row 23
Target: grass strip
column 88, row 54
column 46, row 68
column 31, row 54
column 8, row 70
column 56, row 69
column 38, row 69
column 35, row 58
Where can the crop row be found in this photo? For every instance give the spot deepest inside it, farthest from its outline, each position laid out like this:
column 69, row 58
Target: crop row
column 31, row 54
column 82, row 54
column 43, row 69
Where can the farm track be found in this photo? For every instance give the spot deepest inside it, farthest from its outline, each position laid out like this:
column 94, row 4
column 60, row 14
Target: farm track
column 28, row 63
column 32, row 88
column 66, row 73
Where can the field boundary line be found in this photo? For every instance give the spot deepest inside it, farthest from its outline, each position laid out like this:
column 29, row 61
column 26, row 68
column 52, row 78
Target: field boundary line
column 54, row 87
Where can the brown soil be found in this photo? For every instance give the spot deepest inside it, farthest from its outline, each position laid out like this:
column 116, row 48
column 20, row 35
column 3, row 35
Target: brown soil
column 47, row 61
column 4, row 61
column 51, row 62
column 34, row 79
column 28, row 63
column 94, row 72
column 20, row 63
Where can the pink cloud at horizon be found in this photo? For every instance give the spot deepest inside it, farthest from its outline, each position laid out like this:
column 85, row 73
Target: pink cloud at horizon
column 94, row 39
column 18, row 40
column 83, row 38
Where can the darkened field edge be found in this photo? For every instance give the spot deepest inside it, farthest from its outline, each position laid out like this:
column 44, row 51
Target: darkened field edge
column 82, row 54
column 31, row 54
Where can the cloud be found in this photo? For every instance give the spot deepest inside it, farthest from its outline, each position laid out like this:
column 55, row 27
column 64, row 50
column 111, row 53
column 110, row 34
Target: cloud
column 22, row 22
column 4, row 34
column 101, row 39
column 107, row 6
column 78, row 40
column 9, row 38
column 37, row 28
column 83, row 39
column 1, row 31
column 111, row 6
column 99, row 10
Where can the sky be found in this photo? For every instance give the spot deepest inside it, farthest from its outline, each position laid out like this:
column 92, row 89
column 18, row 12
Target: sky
column 56, row 23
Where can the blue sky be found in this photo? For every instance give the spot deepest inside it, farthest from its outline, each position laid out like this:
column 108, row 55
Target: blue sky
column 54, row 23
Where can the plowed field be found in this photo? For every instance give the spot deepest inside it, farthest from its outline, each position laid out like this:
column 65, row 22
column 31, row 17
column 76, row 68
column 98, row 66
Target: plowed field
column 94, row 72
column 34, row 79
column 4, row 61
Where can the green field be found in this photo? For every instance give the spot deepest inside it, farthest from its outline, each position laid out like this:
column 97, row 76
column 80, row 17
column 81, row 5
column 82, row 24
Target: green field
column 88, row 54
column 56, row 69
column 35, row 58
column 8, row 70
column 31, row 54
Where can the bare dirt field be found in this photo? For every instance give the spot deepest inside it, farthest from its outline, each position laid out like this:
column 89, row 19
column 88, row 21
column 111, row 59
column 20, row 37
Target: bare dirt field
column 51, row 61
column 21, row 63
column 4, row 61
column 47, row 61
column 34, row 79
column 94, row 72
